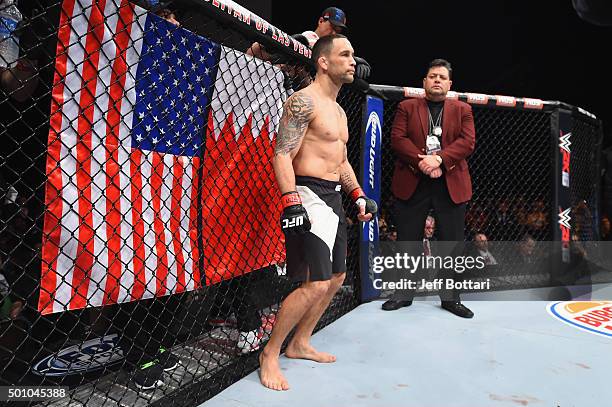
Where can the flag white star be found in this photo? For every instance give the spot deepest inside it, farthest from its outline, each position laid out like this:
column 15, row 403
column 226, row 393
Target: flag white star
column 203, row 91
column 155, row 119
column 149, row 106
column 188, row 53
column 195, row 146
column 164, row 55
column 179, row 61
column 197, row 46
column 210, row 51
column 139, row 138
column 193, row 67
column 168, row 34
column 154, row 140
column 194, row 98
column 178, row 135
column 181, row 94
column 183, row 145
column 185, row 74
column 190, row 86
column 158, row 41
column 171, row 123
column 162, row 131
column 199, row 109
column 207, row 70
column 141, row 115
column 202, row 58
column 175, row 82
column 148, row 127
column 169, row 143
column 183, row 40
column 198, row 78
column 174, row 48
column 141, row 94
column 190, row 118
column 172, row 103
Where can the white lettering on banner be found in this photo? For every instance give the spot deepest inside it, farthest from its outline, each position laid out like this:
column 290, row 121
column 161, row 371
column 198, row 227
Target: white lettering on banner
column 533, row 103
column 477, row 98
column 505, row 101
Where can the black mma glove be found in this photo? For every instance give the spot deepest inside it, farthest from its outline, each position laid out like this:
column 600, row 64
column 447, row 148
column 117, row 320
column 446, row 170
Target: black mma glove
column 362, row 68
column 294, row 219
column 362, row 201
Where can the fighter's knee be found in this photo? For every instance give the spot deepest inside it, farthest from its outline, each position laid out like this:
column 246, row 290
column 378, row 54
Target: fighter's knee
column 317, row 289
column 337, row 280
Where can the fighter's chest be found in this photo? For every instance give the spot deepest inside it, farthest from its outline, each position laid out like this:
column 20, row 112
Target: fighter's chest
column 330, row 124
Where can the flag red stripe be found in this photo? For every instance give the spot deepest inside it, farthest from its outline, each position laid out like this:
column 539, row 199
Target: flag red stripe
column 52, row 228
column 175, row 222
column 138, row 235
column 156, row 185
column 113, row 167
column 84, row 256
column 193, row 223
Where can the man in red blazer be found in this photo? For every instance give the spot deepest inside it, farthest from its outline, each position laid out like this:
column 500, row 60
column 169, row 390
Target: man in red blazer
column 431, row 139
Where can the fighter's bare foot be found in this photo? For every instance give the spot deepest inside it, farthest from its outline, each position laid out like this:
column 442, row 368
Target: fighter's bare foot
column 306, row 351
column 270, row 373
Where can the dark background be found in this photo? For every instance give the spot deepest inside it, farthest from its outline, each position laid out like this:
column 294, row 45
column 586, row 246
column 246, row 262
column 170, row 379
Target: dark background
column 538, row 49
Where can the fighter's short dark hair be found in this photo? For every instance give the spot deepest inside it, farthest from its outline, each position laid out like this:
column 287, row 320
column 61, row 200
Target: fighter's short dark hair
column 443, row 63
column 324, row 45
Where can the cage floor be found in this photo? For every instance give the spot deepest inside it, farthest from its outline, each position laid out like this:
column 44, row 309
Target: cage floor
column 513, row 353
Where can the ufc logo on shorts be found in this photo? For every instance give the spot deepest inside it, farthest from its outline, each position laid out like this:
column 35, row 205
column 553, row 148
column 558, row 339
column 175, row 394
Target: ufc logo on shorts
column 293, row 222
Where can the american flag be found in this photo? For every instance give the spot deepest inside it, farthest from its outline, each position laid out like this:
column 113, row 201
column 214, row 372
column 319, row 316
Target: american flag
column 130, row 109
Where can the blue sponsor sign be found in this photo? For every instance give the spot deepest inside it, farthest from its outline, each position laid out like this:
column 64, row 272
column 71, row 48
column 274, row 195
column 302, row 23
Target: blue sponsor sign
column 370, row 182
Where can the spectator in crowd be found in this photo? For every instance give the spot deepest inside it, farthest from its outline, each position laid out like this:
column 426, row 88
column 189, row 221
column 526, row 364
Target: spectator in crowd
column 431, row 171
column 526, row 250
column 476, row 218
column 537, row 219
column 481, row 246
column 392, row 234
column 502, row 223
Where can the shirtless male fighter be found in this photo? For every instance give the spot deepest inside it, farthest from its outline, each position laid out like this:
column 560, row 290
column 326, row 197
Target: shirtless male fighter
column 311, row 166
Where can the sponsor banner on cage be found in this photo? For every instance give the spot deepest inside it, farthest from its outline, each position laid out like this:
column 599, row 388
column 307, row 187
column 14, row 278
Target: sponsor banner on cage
column 371, row 183
column 486, row 270
column 563, row 182
column 131, row 105
column 590, row 316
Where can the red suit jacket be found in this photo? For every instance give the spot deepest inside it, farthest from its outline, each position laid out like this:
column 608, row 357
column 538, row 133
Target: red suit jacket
column 410, row 126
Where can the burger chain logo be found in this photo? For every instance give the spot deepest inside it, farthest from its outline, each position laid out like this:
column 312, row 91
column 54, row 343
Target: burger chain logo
column 564, row 147
column 564, row 225
column 591, row 316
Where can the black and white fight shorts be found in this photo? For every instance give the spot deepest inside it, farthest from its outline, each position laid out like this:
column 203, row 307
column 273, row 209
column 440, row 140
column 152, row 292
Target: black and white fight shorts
column 321, row 252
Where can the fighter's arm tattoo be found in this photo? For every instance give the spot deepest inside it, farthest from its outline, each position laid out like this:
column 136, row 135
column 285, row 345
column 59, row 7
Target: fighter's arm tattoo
column 348, row 180
column 297, row 114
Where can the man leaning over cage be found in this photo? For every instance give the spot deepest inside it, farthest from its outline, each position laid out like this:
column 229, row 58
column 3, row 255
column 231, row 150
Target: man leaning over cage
column 331, row 21
column 311, row 167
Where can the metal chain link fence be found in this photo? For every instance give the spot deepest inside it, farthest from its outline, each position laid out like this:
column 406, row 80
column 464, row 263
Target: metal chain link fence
column 141, row 258
column 513, row 176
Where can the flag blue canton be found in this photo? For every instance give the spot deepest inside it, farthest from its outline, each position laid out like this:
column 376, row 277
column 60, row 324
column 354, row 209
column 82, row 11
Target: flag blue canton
column 175, row 77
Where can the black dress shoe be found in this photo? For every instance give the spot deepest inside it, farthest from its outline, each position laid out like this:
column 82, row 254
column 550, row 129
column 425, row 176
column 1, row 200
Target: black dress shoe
column 458, row 309
column 392, row 305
